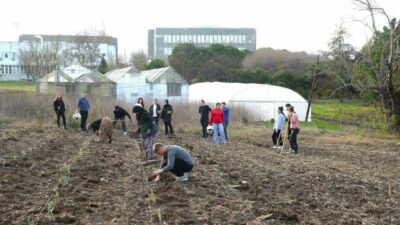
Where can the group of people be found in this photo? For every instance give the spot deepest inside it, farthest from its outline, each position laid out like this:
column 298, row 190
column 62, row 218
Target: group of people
column 218, row 118
column 292, row 129
column 176, row 159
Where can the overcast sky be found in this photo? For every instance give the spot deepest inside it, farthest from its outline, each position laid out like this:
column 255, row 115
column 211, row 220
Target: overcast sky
column 296, row 25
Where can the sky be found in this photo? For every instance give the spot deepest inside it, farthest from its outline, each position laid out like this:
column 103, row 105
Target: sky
column 295, row 25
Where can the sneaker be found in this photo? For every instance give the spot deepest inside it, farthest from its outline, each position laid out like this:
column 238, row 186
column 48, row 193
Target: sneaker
column 183, row 178
column 275, row 147
column 279, row 147
column 125, row 133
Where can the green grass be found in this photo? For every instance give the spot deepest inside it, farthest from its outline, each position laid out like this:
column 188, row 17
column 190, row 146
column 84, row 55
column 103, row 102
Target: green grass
column 23, row 86
column 364, row 114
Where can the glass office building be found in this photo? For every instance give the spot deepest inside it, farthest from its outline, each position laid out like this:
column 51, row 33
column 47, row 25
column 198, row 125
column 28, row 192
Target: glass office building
column 161, row 41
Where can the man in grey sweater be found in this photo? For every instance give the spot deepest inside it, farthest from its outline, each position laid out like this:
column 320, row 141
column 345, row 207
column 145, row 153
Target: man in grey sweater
column 176, row 160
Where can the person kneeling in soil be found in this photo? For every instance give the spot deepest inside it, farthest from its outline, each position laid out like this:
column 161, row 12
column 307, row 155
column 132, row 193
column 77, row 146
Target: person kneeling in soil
column 103, row 127
column 176, row 160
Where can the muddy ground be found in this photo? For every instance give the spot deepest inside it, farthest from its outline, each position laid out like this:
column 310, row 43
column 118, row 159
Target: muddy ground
column 51, row 176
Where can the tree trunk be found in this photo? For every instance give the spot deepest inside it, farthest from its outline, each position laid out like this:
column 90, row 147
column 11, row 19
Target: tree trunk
column 394, row 122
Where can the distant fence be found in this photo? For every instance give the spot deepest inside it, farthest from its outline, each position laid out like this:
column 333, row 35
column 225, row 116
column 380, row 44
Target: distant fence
column 95, row 89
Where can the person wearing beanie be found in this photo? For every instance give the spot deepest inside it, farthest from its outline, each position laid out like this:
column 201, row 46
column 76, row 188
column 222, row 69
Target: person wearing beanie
column 147, row 129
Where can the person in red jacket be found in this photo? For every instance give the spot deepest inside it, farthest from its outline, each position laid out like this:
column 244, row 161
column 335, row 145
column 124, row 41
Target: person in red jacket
column 217, row 121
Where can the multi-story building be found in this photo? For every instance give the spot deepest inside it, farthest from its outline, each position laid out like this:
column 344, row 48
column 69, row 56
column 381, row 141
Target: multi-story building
column 11, row 67
column 161, row 41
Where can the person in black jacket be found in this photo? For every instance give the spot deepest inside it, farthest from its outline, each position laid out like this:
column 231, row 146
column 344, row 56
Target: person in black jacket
column 59, row 108
column 155, row 112
column 119, row 114
column 166, row 116
column 147, row 129
column 140, row 101
column 204, row 111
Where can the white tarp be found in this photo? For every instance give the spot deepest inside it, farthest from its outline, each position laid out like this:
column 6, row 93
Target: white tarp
column 261, row 101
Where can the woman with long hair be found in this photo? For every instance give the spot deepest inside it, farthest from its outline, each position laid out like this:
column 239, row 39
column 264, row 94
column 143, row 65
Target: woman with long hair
column 140, row 101
column 59, row 108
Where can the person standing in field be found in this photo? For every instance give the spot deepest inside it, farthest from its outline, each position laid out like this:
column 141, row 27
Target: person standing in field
column 226, row 119
column 141, row 102
column 59, row 108
column 83, row 108
column 294, row 130
column 204, row 111
column 175, row 159
column 217, row 121
column 166, row 116
column 155, row 112
column 119, row 114
column 278, row 129
column 147, row 129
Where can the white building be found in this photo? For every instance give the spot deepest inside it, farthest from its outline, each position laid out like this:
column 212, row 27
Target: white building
column 163, row 83
column 259, row 102
column 11, row 69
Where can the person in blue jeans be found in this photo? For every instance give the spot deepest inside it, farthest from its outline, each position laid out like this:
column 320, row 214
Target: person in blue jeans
column 278, row 129
column 217, row 121
column 83, row 108
column 226, row 119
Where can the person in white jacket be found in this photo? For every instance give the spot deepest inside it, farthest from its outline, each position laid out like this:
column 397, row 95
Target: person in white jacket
column 278, row 128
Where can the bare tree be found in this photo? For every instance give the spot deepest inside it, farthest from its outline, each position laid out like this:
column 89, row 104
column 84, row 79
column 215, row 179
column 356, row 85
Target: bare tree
column 37, row 60
column 341, row 61
column 138, row 59
column 384, row 66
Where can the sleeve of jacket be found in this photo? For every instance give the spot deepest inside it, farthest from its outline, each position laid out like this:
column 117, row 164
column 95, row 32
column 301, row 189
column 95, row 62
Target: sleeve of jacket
column 211, row 118
column 126, row 113
column 55, row 106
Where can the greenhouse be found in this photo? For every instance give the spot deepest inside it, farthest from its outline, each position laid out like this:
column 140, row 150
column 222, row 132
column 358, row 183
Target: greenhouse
column 259, row 101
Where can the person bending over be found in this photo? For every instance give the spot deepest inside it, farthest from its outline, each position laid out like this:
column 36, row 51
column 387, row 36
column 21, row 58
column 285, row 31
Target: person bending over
column 119, row 114
column 147, row 129
column 103, row 127
column 175, row 159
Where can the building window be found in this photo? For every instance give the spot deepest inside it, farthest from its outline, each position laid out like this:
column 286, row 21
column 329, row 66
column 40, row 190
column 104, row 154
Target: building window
column 1, row 69
column 6, row 55
column 203, row 39
column 173, row 90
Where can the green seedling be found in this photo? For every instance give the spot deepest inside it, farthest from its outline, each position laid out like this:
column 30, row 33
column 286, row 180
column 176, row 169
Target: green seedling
column 50, row 208
column 64, row 180
column 67, row 169
column 152, row 196
column 264, row 217
column 159, row 215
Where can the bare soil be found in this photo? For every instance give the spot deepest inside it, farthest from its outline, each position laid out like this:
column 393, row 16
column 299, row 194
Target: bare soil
column 51, row 176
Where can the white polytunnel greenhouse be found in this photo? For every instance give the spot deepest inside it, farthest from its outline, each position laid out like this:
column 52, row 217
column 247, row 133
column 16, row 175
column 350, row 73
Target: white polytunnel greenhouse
column 259, row 101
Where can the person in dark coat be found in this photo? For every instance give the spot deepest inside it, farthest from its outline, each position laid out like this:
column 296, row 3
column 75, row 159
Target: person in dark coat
column 119, row 114
column 155, row 111
column 147, row 129
column 204, row 111
column 59, row 108
column 166, row 116
column 140, row 101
